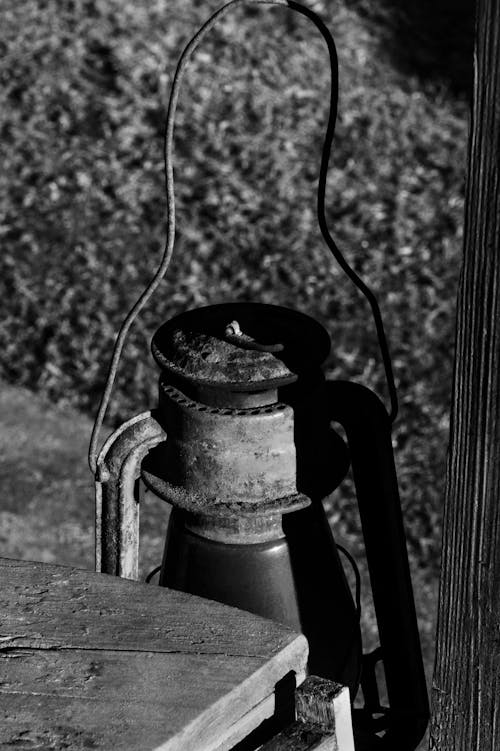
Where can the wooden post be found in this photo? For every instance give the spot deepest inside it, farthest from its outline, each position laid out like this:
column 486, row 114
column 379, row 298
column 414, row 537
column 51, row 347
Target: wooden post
column 466, row 685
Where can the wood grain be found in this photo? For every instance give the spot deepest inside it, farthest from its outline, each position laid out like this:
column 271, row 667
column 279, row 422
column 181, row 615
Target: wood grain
column 466, row 685
column 89, row 660
column 59, row 605
column 303, row 736
column 323, row 719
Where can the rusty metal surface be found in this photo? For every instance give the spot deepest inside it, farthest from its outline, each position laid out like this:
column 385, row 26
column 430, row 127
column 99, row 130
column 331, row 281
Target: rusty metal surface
column 236, row 525
column 240, row 346
column 203, row 357
column 117, row 508
column 222, row 520
column 245, row 456
column 248, row 456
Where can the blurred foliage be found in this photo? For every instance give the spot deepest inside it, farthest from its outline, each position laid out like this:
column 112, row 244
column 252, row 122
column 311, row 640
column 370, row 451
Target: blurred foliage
column 84, row 91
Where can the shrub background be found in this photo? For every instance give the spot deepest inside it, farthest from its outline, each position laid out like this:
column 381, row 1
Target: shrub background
column 84, row 92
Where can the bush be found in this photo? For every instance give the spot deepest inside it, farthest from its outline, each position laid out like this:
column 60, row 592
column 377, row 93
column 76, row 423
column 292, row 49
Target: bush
column 84, row 96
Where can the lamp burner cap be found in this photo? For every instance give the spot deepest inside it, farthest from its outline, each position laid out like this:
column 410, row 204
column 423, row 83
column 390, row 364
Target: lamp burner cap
column 240, row 346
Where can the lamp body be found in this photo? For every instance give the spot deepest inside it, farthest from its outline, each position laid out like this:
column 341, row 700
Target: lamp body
column 242, row 447
column 246, row 464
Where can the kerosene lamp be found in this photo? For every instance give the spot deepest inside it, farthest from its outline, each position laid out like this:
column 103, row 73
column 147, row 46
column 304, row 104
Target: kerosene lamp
column 242, row 445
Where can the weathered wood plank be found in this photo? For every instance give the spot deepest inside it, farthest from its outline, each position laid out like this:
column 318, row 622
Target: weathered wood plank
column 303, row 736
column 88, row 660
column 115, row 699
column 466, row 683
column 62, row 606
column 131, row 699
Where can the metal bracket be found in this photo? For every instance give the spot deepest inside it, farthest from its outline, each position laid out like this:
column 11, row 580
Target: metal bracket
column 116, row 505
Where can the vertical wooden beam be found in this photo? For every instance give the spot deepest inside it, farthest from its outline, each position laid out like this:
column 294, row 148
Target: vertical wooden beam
column 466, row 685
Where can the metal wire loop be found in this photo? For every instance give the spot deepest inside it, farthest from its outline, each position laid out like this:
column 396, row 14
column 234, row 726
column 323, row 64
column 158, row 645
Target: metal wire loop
column 170, row 196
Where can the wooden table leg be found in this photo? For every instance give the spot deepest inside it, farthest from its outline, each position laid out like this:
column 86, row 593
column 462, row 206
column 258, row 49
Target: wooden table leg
column 323, row 721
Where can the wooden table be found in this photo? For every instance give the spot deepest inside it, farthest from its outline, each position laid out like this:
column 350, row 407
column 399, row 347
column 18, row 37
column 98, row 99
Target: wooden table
column 89, row 661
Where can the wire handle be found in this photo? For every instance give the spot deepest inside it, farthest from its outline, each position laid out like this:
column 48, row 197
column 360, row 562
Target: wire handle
column 170, row 232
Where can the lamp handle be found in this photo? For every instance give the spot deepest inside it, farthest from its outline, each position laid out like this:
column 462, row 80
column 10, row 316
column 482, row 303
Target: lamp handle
column 169, row 181
column 116, row 502
column 368, row 430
